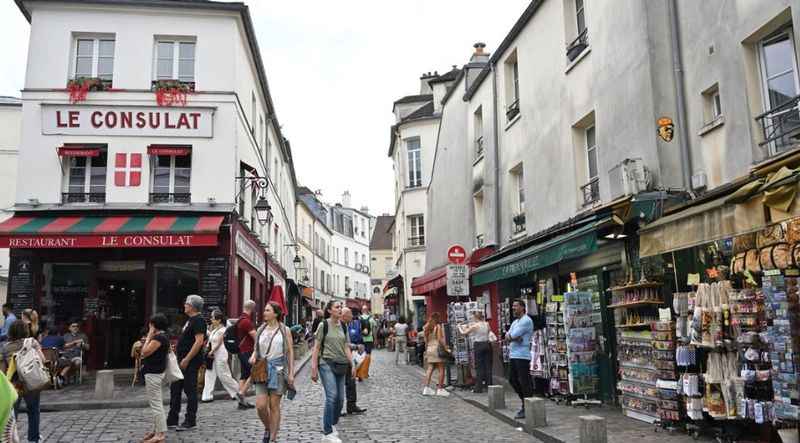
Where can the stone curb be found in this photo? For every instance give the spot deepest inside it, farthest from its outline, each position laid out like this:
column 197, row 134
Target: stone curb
column 547, row 438
column 85, row 405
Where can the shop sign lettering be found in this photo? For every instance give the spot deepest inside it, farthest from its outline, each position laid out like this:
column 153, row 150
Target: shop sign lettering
column 122, row 120
column 251, row 253
column 109, row 241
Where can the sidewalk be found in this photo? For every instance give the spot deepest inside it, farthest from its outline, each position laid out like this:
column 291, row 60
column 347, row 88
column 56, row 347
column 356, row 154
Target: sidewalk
column 563, row 424
column 81, row 397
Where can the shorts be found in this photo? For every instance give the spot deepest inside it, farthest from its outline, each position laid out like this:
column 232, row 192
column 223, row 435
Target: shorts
column 276, row 383
column 244, row 363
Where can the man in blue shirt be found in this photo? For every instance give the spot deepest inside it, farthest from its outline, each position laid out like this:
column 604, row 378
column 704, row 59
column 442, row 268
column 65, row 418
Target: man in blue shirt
column 10, row 318
column 519, row 336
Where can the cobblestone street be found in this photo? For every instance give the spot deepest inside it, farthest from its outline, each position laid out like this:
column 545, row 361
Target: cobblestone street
column 397, row 412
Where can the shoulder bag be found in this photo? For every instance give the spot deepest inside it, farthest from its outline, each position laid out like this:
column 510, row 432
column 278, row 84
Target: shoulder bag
column 336, row 367
column 173, row 372
column 442, row 350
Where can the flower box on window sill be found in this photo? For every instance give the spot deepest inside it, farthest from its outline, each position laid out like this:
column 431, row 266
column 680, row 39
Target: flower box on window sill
column 172, row 92
column 578, row 45
column 519, row 222
column 80, row 87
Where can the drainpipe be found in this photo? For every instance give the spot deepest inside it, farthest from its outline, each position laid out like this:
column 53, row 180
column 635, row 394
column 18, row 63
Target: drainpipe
column 680, row 98
column 497, row 229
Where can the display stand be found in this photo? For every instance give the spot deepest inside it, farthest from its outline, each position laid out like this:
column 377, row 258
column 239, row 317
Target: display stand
column 581, row 341
column 558, row 370
column 459, row 314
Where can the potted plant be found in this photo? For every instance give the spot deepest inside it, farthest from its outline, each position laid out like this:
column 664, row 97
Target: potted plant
column 79, row 88
column 171, row 92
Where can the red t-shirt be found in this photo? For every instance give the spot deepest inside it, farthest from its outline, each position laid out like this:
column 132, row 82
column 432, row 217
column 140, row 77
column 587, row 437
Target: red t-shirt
column 243, row 328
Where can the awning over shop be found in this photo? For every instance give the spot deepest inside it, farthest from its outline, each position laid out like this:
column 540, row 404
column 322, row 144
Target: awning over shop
column 169, row 150
column 395, row 282
column 78, row 151
column 160, row 231
column 699, row 224
column 581, row 241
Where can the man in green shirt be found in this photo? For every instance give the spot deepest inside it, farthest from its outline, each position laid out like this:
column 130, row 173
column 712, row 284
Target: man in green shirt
column 368, row 326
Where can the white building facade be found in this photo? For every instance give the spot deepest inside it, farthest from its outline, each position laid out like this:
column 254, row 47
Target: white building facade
column 142, row 178
column 10, row 132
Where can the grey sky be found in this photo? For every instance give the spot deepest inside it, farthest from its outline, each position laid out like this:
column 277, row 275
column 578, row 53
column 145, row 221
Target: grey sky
column 334, row 70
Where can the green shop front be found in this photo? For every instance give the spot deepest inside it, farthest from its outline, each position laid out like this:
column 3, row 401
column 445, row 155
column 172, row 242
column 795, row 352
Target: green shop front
column 586, row 256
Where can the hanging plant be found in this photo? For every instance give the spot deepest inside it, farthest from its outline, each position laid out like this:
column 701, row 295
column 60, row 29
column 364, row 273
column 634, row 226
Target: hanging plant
column 79, row 88
column 171, row 92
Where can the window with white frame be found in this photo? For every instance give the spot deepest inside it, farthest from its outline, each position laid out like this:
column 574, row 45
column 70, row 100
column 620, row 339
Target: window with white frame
column 414, row 163
column 175, row 59
column 477, row 129
column 580, row 16
column 86, row 179
column 712, row 106
column 171, row 179
column 591, row 190
column 94, row 58
column 355, row 258
column 512, row 86
column 416, row 225
column 346, row 257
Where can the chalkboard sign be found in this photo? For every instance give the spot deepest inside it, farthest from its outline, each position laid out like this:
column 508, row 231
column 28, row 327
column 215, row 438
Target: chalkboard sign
column 20, row 284
column 214, row 282
column 91, row 307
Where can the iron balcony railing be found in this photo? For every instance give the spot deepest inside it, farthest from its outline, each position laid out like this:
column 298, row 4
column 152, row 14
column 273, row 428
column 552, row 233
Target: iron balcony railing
column 781, row 126
column 479, row 146
column 170, row 197
column 512, row 110
column 578, row 45
column 519, row 223
column 83, row 197
column 591, row 191
column 416, row 241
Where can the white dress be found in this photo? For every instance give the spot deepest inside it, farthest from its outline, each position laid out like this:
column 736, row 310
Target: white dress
column 220, row 368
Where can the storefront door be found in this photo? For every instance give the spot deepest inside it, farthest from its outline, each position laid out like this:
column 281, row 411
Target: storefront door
column 122, row 295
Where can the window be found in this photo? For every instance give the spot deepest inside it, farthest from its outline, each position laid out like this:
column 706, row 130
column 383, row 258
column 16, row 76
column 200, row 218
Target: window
column 512, row 86
column 780, row 88
column 414, row 163
column 477, row 129
column 86, row 179
column 591, row 190
column 364, row 260
column 712, row 106
column 416, row 224
column 518, row 200
column 346, row 257
column 580, row 16
column 346, row 283
column 252, row 112
column 94, row 57
column 175, row 60
column 171, row 179
column 355, row 258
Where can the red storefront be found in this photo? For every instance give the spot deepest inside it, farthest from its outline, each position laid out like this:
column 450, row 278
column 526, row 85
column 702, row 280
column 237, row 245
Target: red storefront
column 113, row 270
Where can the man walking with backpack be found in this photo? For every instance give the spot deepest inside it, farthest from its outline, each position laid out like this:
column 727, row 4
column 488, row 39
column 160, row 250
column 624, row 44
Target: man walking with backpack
column 246, row 336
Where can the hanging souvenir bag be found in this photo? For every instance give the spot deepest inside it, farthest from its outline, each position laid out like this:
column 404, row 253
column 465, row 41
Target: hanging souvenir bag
column 738, row 262
column 777, row 256
column 793, row 231
column 744, row 243
column 752, row 261
column 770, row 236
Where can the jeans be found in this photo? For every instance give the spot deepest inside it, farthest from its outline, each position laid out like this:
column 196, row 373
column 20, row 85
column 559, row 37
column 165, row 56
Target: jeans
column 189, row 387
column 368, row 345
column 483, row 365
column 153, row 383
column 520, row 378
column 334, row 397
column 32, row 405
column 351, row 394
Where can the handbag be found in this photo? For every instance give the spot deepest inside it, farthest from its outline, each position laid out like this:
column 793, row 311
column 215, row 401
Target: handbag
column 492, row 337
column 173, row 371
column 442, row 350
column 336, row 367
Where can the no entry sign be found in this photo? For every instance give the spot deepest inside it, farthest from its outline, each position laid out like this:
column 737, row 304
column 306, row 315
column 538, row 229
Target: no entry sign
column 457, row 255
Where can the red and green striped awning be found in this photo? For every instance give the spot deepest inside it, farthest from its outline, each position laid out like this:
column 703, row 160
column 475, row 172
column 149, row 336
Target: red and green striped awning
column 157, row 231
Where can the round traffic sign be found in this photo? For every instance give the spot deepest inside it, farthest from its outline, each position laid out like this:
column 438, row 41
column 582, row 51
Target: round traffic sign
column 457, row 255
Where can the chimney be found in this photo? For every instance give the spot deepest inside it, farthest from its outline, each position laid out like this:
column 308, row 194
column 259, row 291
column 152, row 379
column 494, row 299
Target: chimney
column 365, row 209
column 346, row 199
column 424, row 87
column 479, row 56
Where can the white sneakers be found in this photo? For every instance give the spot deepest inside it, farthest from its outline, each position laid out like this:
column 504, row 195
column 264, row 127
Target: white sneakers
column 437, row 392
column 330, row 438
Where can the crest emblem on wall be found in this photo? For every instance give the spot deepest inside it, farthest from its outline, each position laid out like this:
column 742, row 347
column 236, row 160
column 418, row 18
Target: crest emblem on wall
column 128, row 169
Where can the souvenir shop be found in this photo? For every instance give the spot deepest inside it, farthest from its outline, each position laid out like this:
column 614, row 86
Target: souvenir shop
column 710, row 339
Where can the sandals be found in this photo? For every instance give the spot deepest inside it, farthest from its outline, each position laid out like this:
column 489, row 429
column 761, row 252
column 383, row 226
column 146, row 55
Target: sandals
column 155, row 439
column 147, row 437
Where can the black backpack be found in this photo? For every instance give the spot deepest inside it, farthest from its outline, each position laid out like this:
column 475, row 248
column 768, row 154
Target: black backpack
column 230, row 339
column 366, row 327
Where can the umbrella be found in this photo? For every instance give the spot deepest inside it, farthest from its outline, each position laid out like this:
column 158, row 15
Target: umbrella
column 277, row 296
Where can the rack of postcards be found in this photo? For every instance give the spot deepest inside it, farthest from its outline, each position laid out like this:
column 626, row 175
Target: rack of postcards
column 504, row 324
column 669, row 404
column 635, row 309
column 581, row 341
column 783, row 337
column 556, row 347
column 460, row 314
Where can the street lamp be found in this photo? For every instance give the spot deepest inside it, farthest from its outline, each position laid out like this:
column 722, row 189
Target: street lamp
column 263, row 211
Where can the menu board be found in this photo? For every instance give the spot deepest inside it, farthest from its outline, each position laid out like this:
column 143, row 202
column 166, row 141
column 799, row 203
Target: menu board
column 214, row 282
column 20, row 284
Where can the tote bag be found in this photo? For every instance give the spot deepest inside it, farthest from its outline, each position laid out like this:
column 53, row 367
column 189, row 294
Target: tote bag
column 173, row 372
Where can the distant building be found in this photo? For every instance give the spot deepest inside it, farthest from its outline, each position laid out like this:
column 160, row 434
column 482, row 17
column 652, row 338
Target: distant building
column 385, row 301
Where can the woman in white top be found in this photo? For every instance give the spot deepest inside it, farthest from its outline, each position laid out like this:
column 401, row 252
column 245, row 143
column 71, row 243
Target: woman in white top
column 273, row 344
column 478, row 331
column 220, row 368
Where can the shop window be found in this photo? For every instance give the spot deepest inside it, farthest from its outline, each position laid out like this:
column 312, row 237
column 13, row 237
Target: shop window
column 171, row 179
column 175, row 281
column 175, row 60
column 416, row 225
column 86, row 178
column 94, row 58
column 414, row 163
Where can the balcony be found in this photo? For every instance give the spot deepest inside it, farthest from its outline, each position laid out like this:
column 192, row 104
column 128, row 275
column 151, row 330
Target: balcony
column 166, row 197
column 578, row 45
column 591, row 192
column 81, row 197
column 519, row 223
column 512, row 110
column 781, row 127
column 416, row 241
